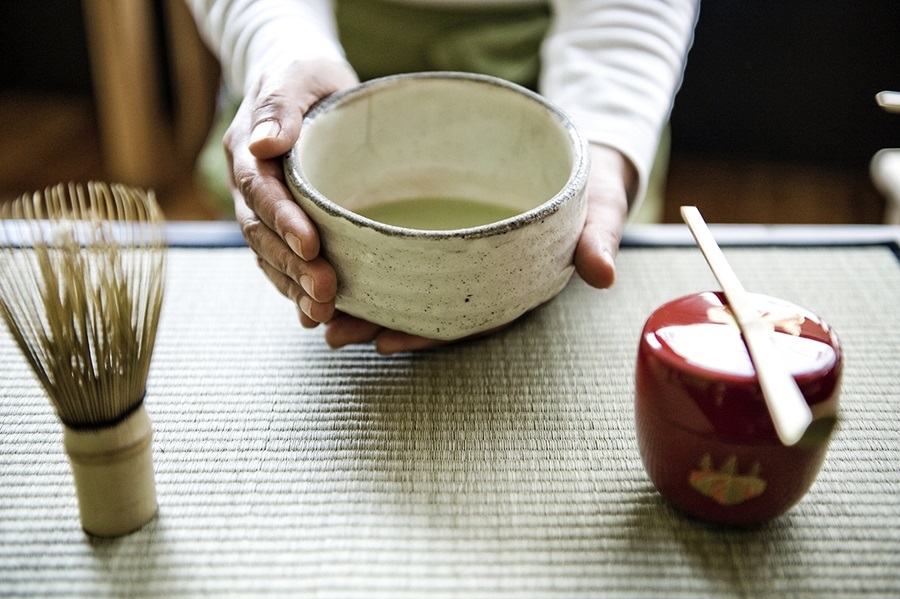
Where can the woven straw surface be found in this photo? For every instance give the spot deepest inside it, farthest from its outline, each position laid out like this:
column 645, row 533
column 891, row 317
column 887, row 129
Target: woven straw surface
column 505, row 467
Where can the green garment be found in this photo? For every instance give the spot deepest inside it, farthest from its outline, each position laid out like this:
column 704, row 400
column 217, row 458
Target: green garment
column 381, row 38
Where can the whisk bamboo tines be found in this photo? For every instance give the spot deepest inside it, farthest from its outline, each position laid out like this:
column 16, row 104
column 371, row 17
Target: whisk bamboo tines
column 82, row 284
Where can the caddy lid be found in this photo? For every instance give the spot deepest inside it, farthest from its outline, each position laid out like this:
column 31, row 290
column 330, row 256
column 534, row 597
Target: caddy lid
column 694, row 368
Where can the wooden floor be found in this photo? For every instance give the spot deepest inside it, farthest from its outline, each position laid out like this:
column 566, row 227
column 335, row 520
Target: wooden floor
column 45, row 140
column 770, row 193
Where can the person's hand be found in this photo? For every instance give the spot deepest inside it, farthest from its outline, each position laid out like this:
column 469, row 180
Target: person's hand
column 286, row 242
column 610, row 182
column 266, row 126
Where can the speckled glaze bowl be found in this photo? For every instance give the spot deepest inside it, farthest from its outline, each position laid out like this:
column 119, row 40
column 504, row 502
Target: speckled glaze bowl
column 704, row 431
column 442, row 135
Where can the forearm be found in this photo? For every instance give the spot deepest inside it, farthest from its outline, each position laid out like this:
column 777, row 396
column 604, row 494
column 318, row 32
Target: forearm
column 248, row 36
column 614, row 67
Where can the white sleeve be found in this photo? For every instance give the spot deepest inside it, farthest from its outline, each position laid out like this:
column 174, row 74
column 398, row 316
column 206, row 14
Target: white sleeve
column 248, row 35
column 614, row 68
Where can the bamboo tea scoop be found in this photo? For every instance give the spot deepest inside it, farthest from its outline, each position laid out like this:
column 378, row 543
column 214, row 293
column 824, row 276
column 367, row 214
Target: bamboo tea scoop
column 787, row 406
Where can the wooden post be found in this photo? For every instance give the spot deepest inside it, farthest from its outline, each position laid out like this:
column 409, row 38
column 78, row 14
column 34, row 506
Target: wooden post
column 148, row 137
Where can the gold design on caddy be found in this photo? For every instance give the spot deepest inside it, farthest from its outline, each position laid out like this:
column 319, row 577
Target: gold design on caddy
column 726, row 486
column 778, row 319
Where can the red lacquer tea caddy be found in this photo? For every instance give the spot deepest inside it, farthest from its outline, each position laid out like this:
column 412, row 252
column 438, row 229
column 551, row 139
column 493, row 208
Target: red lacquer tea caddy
column 704, row 432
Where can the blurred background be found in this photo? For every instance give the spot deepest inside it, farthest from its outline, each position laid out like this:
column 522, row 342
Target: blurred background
column 776, row 120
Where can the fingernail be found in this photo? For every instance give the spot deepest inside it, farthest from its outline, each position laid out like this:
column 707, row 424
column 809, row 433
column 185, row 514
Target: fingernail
column 306, row 305
column 265, row 130
column 608, row 258
column 611, row 262
column 304, row 320
column 307, row 283
column 294, row 244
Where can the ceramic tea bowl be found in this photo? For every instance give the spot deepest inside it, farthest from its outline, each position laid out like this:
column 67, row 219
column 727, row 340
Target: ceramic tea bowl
column 435, row 149
column 705, row 435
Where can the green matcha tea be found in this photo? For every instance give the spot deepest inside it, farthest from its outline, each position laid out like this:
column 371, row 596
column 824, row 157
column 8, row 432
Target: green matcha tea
column 437, row 214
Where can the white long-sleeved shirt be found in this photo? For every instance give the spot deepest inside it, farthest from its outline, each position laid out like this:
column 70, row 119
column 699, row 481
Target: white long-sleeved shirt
column 612, row 65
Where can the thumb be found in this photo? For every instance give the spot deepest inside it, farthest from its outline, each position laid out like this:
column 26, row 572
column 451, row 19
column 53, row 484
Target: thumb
column 283, row 99
column 267, row 139
column 275, row 123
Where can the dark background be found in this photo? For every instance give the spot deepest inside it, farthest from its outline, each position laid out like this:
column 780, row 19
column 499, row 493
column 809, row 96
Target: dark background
column 43, row 45
column 791, row 81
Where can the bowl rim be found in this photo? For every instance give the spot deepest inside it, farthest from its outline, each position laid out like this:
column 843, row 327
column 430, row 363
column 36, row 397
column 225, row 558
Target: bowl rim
column 575, row 183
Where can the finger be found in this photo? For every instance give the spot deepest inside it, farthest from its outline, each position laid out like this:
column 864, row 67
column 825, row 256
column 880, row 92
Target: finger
column 261, row 188
column 317, row 312
column 348, row 330
column 314, row 311
column 317, row 277
column 318, row 308
column 600, row 238
column 391, row 342
column 305, row 321
column 597, row 248
column 282, row 283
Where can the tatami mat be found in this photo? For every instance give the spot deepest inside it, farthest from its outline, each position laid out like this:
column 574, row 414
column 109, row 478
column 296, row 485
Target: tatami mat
column 505, row 467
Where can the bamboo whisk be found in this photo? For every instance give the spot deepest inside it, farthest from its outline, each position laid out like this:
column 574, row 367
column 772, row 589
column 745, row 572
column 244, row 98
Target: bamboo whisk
column 82, row 286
